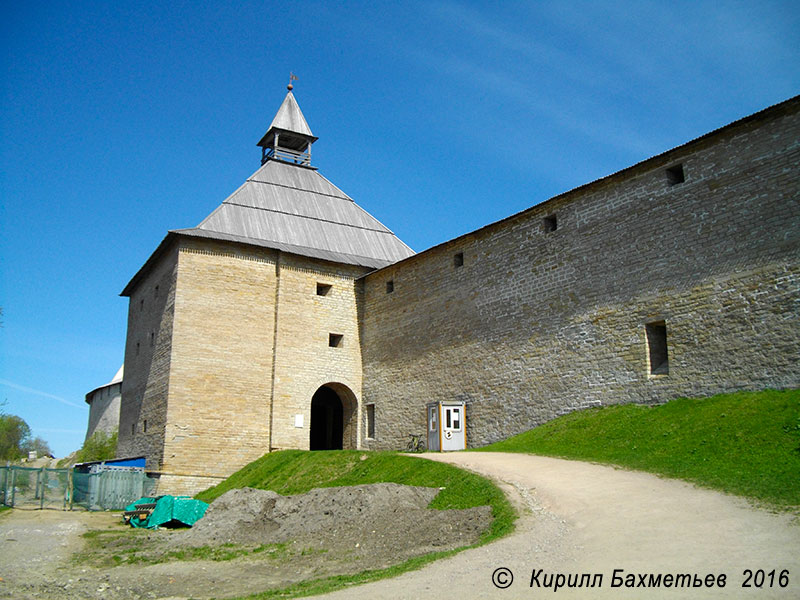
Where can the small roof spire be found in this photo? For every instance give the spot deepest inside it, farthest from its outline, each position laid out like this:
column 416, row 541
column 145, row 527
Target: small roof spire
column 289, row 137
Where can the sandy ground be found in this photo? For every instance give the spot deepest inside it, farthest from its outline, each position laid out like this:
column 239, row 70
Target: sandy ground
column 575, row 518
column 34, row 543
column 586, row 518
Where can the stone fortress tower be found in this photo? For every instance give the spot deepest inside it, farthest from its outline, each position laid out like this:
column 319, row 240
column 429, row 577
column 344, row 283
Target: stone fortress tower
column 243, row 332
column 291, row 318
column 104, row 403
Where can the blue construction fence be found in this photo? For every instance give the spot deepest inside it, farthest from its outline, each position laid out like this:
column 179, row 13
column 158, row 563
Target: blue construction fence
column 97, row 486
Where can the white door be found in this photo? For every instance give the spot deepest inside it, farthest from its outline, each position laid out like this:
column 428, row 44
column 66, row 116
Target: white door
column 453, row 428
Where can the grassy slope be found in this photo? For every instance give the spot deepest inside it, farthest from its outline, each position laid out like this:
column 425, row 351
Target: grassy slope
column 296, row 471
column 747, row 443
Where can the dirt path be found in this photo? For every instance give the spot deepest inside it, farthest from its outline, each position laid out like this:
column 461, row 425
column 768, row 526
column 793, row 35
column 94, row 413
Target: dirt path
column 585, row 518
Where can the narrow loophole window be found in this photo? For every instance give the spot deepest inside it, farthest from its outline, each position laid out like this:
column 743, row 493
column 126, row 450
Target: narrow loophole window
column 458, row 259
column 390, row 286
column 335, row 340
column 550, row 223
column 371, row 421
column 323, row 289
column 657, row 347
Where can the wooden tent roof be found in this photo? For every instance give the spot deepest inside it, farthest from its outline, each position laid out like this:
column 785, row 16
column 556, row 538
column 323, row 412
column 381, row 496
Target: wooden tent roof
column 291, row 208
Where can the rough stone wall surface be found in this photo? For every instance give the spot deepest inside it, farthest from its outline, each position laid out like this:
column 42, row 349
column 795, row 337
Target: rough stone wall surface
column 206, row 387
column 305, row 361
column 148, row 349
column 217, row 417
column 536, row 323
column 104, row 404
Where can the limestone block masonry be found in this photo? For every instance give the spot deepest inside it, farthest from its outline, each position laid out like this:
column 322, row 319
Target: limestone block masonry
column 305, row 358
column 217, row 407
column 208, row 377
column 547, row 311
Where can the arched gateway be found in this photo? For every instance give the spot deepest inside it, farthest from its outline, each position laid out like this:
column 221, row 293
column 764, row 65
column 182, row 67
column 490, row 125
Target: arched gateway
column 333, row 418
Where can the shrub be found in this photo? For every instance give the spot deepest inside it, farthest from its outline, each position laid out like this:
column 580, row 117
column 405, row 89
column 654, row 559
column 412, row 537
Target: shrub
column 100, row 446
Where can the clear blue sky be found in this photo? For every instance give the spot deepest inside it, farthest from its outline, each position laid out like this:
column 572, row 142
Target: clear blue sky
column 121, row 120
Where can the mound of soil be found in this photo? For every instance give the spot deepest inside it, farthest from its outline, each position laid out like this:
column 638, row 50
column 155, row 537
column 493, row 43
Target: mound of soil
column 331, row 531
column 386, row 521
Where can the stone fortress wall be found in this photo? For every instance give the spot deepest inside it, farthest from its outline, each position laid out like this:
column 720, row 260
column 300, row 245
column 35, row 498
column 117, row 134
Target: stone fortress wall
column 689, row 257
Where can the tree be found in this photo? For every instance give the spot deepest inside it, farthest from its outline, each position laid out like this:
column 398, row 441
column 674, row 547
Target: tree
column 38, row 445
column 100, row 446
column 15, row 438
column 14, row 433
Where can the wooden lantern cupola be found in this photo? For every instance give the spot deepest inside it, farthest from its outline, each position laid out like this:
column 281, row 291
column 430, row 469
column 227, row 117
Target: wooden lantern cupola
column 289, row 137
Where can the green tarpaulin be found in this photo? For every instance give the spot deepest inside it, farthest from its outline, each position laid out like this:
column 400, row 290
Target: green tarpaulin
column 182, row 509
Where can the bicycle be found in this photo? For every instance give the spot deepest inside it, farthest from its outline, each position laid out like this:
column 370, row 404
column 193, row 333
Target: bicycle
column 417, row 444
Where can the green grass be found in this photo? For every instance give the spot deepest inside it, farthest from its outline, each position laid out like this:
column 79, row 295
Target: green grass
column 747, row 443
column 296, row 471
column 113, row 547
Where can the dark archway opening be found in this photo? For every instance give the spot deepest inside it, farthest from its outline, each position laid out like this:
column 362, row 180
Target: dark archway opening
column 327, row 420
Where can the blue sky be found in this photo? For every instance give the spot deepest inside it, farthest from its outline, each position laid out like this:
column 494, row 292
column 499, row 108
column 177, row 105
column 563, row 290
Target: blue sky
column 121, row 120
